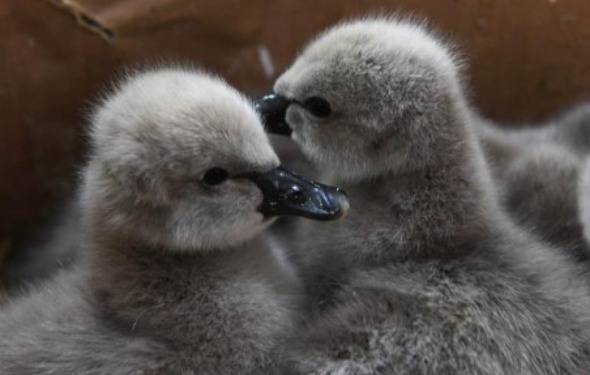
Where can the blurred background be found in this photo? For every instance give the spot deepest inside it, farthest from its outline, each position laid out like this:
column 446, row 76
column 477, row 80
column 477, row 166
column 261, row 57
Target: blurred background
column 528, row 60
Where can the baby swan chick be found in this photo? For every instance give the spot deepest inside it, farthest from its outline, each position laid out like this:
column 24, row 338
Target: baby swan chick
column 180, row 182
column 584, row 198
column 569, row 129
column 536, row 177
column 537, row 185
column 426, row 275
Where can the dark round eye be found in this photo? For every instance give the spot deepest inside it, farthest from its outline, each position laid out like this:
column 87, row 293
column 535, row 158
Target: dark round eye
column 215, row 176
column 318, row 107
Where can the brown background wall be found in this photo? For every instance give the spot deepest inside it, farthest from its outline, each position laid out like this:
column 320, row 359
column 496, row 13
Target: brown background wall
column 528, row 59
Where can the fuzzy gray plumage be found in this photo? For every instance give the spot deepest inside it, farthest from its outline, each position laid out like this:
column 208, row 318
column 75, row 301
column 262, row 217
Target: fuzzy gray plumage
column 570, row 129
column 176, row 279
column 426, row 275
column 536, row 171
column 584, row 198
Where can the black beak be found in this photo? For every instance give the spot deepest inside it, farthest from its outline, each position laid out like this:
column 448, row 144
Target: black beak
column 286, row 194
column 273, row 109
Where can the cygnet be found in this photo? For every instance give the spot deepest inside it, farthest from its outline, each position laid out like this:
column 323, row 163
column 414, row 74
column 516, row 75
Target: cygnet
column 179, row 185
column 584, row 198
column 427, row 274
column 536, row 174
column 570, row 129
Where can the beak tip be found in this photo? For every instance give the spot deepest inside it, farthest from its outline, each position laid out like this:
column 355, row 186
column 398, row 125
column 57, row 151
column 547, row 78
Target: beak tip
column 272, row 109
column 340, row 201
column 344, row 208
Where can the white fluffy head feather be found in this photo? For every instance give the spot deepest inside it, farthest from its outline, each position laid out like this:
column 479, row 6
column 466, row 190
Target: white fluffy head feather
column 388, row 82
column 152, row 142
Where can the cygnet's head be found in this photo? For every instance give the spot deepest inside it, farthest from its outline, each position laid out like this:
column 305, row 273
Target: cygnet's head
column 368, row 97
column 180, row 160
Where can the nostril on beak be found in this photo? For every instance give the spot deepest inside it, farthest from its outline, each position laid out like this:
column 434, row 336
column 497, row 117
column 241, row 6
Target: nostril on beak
column 286, row 194
column 294, row 194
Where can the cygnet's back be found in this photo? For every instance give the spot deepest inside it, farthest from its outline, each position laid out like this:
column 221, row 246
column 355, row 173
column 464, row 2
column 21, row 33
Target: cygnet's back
column 570, row 129
column 536, row 177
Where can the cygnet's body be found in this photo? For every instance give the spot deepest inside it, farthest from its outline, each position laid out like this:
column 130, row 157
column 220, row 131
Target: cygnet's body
column 426, row 275
column 537, row 184
column 584, row 198
column 570, row 129
column 176, row 280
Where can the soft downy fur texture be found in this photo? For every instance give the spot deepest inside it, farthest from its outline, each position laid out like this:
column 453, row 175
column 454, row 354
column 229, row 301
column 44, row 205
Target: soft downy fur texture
column 426, row 275
column 584, row 197
column 55, row 243
column 176, row 279
column 536, row 171
column 570, row 129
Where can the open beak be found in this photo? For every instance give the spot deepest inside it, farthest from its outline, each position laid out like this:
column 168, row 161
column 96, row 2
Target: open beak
column 273, row 109
column 286, row 194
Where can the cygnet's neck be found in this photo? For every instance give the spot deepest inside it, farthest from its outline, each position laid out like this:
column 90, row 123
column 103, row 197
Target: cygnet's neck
column 157, row 292
column 438, row 210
